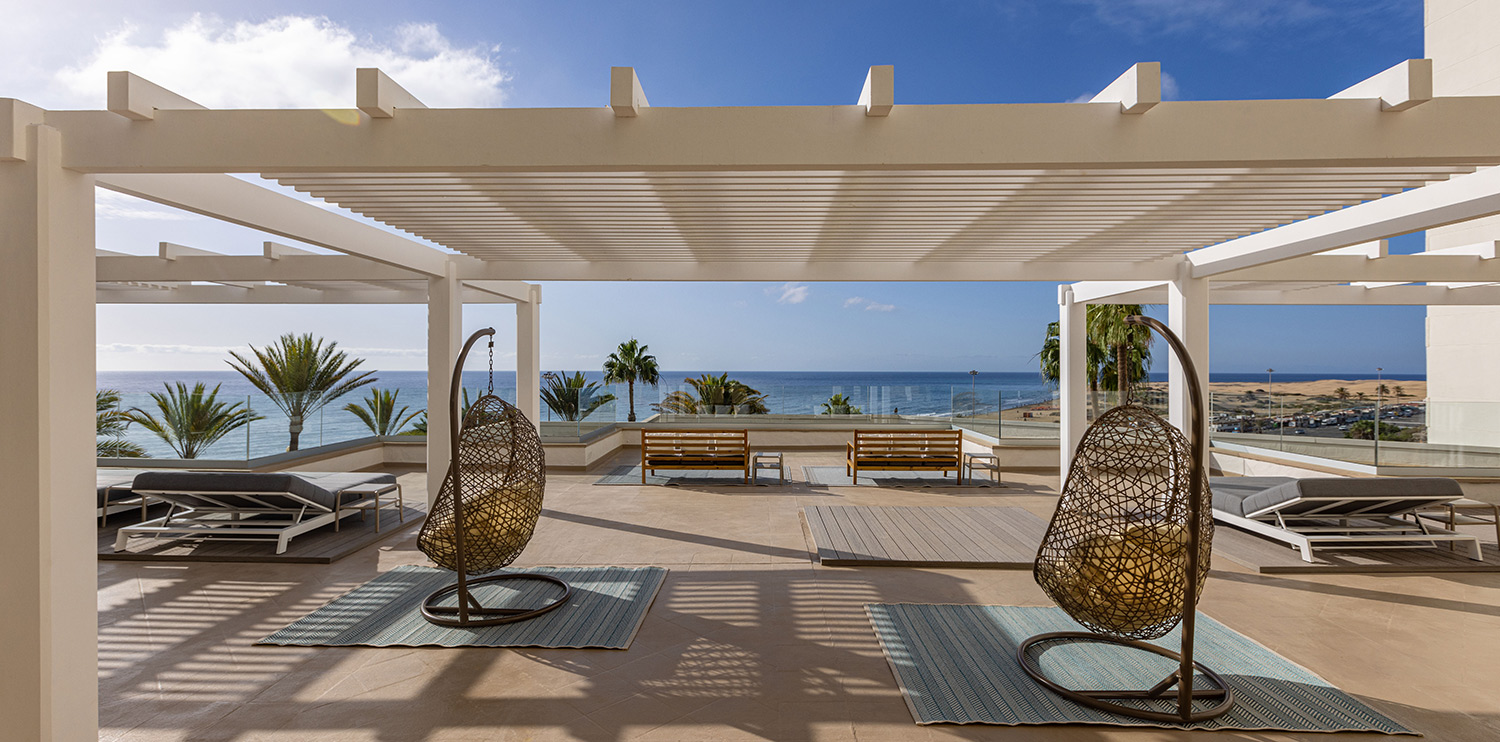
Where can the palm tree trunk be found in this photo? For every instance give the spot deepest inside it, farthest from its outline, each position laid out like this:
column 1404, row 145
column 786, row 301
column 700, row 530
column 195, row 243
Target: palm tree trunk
column 1122, row 371
column 631, row 386
column 295, row 429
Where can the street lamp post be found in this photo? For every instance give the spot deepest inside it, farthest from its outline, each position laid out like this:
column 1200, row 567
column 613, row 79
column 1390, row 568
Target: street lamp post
column 1377, row 415
column 972, row 376
column 1271, row 398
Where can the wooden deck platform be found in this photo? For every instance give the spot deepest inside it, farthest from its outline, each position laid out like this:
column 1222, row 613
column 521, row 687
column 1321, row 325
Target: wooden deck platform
column 988, row 537
column 323, row 546
column 1274, row 557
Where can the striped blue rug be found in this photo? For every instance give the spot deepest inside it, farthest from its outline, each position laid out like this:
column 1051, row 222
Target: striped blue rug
column 605, row 611
column 957, row 664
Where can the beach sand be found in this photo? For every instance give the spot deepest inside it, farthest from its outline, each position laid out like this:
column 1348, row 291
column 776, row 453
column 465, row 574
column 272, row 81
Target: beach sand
column 1232, row 395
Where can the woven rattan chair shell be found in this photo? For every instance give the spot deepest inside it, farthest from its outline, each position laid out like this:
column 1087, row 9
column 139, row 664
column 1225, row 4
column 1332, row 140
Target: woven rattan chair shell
column 1115, row 554
column 503, row 478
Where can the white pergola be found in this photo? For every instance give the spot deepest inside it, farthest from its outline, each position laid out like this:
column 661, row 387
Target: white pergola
column 1179, row 202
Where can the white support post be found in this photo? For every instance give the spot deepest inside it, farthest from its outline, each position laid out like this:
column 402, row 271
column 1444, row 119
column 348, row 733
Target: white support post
column 49, row 688
column 1073, row 367
column 529, row 357
column 445, row 321
column 626, row 96
column 1187, row 315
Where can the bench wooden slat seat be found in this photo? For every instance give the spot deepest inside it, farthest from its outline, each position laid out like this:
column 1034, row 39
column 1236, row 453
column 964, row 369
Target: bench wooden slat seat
column 904, row 450
column 695, row 449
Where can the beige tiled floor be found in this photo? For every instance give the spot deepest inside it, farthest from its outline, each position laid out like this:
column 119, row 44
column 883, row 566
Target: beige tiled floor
column 749, row 639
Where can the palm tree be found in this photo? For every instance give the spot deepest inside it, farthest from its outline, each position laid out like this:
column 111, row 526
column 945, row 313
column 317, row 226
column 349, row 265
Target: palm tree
column 715, row 395
column 1400, row 393
column 629, row 364
column 838, row 404
column 1051, row 360
column 300, row 374
column 1383, row 390
column 378, row 412
column 1341, row 393
column 1107, row 327
column 573, row 398
column 109, row 425
column 1360, row 396
column 191, row 421
column 419, row 427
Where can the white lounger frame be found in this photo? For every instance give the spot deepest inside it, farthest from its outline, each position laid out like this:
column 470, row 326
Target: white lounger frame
column 1351, row 523
column 120, row 506
column 185, row 520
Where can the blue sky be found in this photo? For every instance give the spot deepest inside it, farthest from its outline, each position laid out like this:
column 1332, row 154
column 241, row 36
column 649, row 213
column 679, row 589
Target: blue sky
column 538, row 54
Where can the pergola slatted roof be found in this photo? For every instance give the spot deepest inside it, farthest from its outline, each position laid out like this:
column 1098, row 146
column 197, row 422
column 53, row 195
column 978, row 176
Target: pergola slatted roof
column 900, row 216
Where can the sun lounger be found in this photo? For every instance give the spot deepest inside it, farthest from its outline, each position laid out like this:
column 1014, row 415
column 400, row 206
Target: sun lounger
column 113, row 490
column 250, row 506
column 1339, row 512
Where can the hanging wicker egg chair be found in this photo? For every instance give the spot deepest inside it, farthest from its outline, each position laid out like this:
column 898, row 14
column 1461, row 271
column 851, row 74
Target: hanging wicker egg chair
column 1127, row 552
column 487, row 508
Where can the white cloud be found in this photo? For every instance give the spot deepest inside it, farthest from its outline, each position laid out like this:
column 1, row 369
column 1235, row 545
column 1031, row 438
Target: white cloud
column 1186, row 16
column 288, row 62
column 869, row 305
column 1169, row 88
column 111, row 205
column 791, row 293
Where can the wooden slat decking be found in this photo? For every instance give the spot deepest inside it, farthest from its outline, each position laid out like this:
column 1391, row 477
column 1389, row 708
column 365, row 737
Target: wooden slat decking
column 323, row 546
column 1273, row 557
column 993, row 537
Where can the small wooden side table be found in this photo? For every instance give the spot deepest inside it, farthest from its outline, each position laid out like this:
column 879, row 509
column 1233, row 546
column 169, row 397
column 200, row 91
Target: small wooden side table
column 767, row 460
column 1453, row 514
column 986, row 461
column 374, row 492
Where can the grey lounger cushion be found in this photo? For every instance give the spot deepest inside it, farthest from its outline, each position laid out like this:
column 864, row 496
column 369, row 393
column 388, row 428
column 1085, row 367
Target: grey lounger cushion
column 1248, row 496
column 223, row 486
column 335, row 481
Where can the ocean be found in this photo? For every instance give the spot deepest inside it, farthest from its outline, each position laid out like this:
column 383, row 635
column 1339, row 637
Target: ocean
column 916, row 393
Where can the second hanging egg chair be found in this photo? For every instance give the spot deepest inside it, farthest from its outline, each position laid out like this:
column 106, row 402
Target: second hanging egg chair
column 1128, row 549
column 488, row 506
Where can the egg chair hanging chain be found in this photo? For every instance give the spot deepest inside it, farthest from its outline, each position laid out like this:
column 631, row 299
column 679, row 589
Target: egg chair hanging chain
column 492, row 365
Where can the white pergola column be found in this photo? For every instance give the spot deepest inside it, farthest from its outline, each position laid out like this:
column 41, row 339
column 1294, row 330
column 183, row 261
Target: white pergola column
column 1073, row 367
column 49, row 617
column 529, row 356
column 445, row 321
column 1187, row 315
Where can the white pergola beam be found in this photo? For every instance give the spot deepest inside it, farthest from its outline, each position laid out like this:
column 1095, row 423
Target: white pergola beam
column 1399, row 88
column 240, row 202
column 138, row 99
column 1343, row 295
column 1459, row 199
column 823, row 270
column 1265, row 133
column 626, row 96
column 15, row 117
column 1107, row 292
column 1375, row 249
column 196, row 294
column 230, row 268
column 1416, row 268
column 379, row 96
column 878, row 96
column 1138, row 90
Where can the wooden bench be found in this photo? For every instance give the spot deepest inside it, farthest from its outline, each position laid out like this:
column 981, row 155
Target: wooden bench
column 905, row 450
column 695, row 449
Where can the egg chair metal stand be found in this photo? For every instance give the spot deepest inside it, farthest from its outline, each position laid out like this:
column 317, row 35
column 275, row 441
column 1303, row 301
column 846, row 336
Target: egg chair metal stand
column 446, row 536
column 1122, row 624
